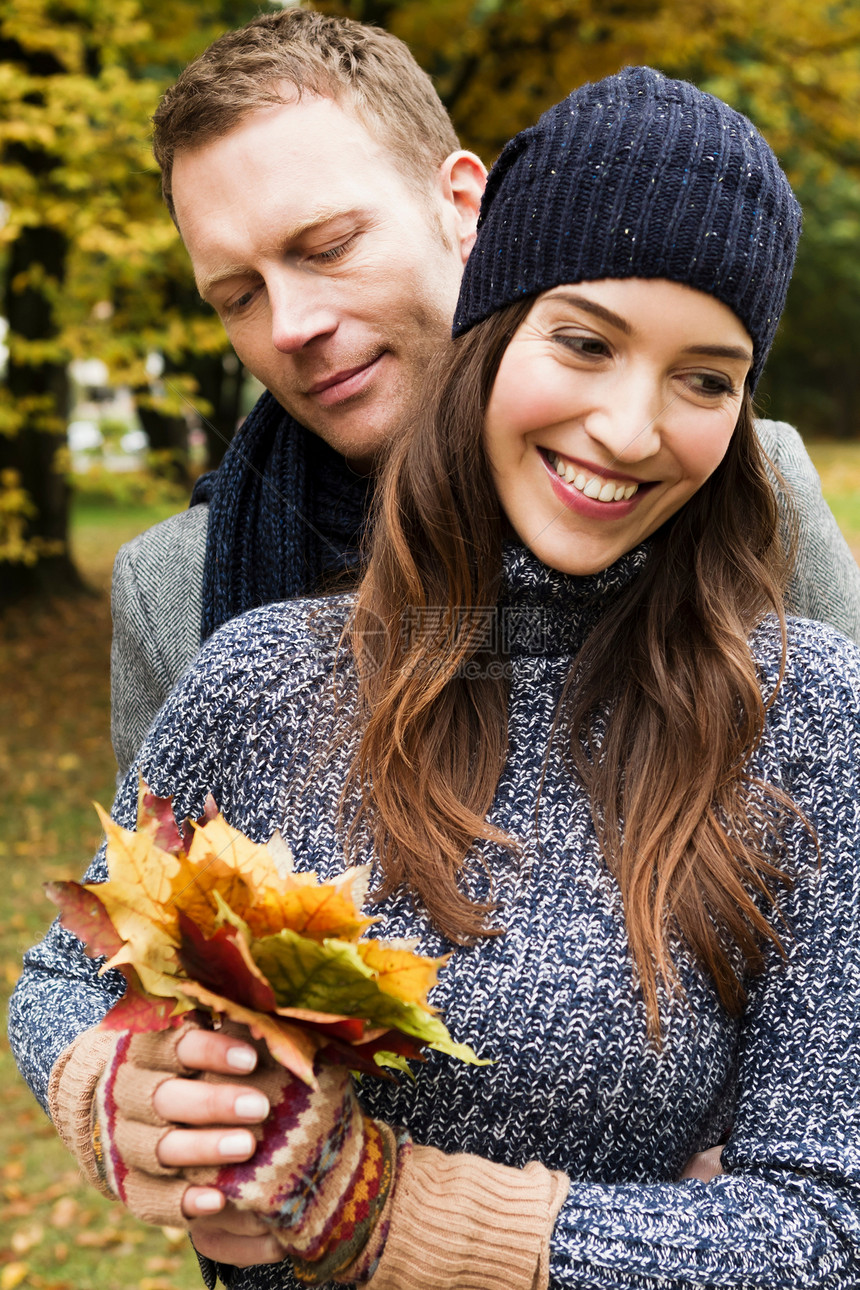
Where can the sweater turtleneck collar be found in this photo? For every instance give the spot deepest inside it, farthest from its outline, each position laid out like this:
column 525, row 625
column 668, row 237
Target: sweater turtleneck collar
column 545, row 612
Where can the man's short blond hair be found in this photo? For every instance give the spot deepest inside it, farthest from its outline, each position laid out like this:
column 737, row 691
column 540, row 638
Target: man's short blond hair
column 361, row 68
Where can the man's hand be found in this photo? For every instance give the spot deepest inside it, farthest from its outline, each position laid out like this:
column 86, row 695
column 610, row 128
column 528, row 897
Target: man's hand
column 704, row 1165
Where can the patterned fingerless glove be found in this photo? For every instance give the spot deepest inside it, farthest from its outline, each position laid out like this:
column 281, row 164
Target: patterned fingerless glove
column 101, row 1101
column 322, row 1172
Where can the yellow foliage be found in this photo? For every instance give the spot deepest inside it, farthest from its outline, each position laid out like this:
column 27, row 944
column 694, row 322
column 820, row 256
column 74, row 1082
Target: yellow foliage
column 15, row 510
column 793, row 66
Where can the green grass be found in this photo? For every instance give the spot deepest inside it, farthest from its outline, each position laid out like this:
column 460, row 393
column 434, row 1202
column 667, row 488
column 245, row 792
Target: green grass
column 838, row 464
column 55, row 759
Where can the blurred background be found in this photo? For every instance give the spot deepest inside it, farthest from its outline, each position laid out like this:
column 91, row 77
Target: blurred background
column 117, row 388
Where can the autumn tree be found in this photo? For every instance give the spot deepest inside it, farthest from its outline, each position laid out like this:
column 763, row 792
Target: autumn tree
column 91, row 263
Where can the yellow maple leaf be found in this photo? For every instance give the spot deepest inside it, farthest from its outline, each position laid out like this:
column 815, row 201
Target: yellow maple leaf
column 252, row 861
column 400, row 971
column 138, row 895
column 318, row 912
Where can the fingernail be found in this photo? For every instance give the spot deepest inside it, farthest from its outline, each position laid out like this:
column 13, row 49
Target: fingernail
column 208, row 1202
column 236, row 1145
column 241, row 1059
column 251, row 1106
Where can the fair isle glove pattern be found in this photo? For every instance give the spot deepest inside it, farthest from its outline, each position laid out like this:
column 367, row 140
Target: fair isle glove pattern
column 321, row 1174
column 349, row 1199
column 101, row 1101
column 127, row 1129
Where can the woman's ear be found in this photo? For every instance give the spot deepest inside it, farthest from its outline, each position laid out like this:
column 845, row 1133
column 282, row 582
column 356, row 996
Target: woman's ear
column 462, row 178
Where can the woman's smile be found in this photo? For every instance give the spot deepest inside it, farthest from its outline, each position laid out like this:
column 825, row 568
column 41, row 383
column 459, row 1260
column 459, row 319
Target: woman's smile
column 612, row 405
column 589, row 489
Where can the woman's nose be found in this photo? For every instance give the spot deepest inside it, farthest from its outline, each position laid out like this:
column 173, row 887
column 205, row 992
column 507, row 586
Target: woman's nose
column 628, row 422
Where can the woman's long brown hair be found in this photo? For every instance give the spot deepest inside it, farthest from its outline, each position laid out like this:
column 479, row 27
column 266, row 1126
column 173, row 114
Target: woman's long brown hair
column 660, row 715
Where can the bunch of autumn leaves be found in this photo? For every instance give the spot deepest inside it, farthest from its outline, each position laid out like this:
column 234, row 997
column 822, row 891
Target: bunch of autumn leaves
column 204, row 918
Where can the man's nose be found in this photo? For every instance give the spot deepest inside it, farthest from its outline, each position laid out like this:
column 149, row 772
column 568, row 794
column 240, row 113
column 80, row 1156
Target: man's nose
column 301, row 312
column 628, row 421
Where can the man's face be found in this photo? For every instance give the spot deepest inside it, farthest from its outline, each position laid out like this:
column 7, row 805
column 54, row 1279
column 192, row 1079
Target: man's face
column 334, row 278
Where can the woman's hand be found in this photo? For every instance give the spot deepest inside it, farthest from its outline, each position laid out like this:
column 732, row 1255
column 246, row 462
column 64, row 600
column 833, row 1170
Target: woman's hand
column 162, row 1122
column 184, row 1101
column 150, row 1085
column 203, row 1104
column 319, row 1179
column 234, row 1236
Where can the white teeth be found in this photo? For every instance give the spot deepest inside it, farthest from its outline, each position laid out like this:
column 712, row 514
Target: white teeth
column 599, row 489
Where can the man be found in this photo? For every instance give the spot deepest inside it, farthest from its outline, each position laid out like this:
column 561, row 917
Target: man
column 328, row 227
column 328, row 211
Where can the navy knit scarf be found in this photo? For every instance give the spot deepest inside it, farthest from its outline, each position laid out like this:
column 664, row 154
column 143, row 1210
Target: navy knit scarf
column 285, row 511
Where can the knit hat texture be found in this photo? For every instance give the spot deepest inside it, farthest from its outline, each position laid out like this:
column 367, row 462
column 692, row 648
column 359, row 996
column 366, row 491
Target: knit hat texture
column 638, row 176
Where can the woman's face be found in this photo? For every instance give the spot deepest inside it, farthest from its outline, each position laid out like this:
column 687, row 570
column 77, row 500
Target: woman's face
column 613, row 403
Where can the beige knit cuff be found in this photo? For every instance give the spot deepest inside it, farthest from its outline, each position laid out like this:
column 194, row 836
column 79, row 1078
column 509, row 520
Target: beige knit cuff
column 71, row 1094
column 464, row 1223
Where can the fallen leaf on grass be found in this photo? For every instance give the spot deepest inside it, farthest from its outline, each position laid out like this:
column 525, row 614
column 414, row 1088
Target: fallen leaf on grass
column 13, row 1275
column 64, row 1212
column 175, row 1236
column 160, row 1263
column 26, row 1238
column 102, row 1238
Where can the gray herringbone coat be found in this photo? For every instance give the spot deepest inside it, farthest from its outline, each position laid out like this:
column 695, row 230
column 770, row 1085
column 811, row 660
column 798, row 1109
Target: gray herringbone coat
column 158, row 581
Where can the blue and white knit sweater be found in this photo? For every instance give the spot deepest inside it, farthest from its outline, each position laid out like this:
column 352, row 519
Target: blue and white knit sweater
column 553, row 1002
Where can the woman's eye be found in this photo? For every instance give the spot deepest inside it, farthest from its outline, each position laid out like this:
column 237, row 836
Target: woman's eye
column 585, row 346
column 711, row 384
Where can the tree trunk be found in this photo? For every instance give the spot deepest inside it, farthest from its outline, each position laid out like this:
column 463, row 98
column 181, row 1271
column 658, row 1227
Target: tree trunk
column 41, row 390
column 848, row 411
column 219, row 380
column 32, row 451
column 168, row 436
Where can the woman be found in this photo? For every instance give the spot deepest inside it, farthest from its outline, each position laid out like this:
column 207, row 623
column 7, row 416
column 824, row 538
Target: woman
column 580, row 750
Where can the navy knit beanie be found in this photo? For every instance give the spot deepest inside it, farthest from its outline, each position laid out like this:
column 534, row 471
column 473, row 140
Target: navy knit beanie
column 638, row 176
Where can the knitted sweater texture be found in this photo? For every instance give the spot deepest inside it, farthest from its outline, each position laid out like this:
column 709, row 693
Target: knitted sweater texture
column 554, row 1001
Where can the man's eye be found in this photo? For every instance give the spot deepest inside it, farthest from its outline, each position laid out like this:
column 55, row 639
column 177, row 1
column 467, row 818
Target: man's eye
column 241, row 302
column 333, row 252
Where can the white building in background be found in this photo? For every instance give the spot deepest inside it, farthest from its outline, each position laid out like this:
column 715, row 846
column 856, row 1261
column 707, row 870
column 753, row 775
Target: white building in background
column 104, row 428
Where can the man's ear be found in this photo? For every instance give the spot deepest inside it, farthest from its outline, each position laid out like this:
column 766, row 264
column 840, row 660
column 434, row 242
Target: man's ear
column 462, row 177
